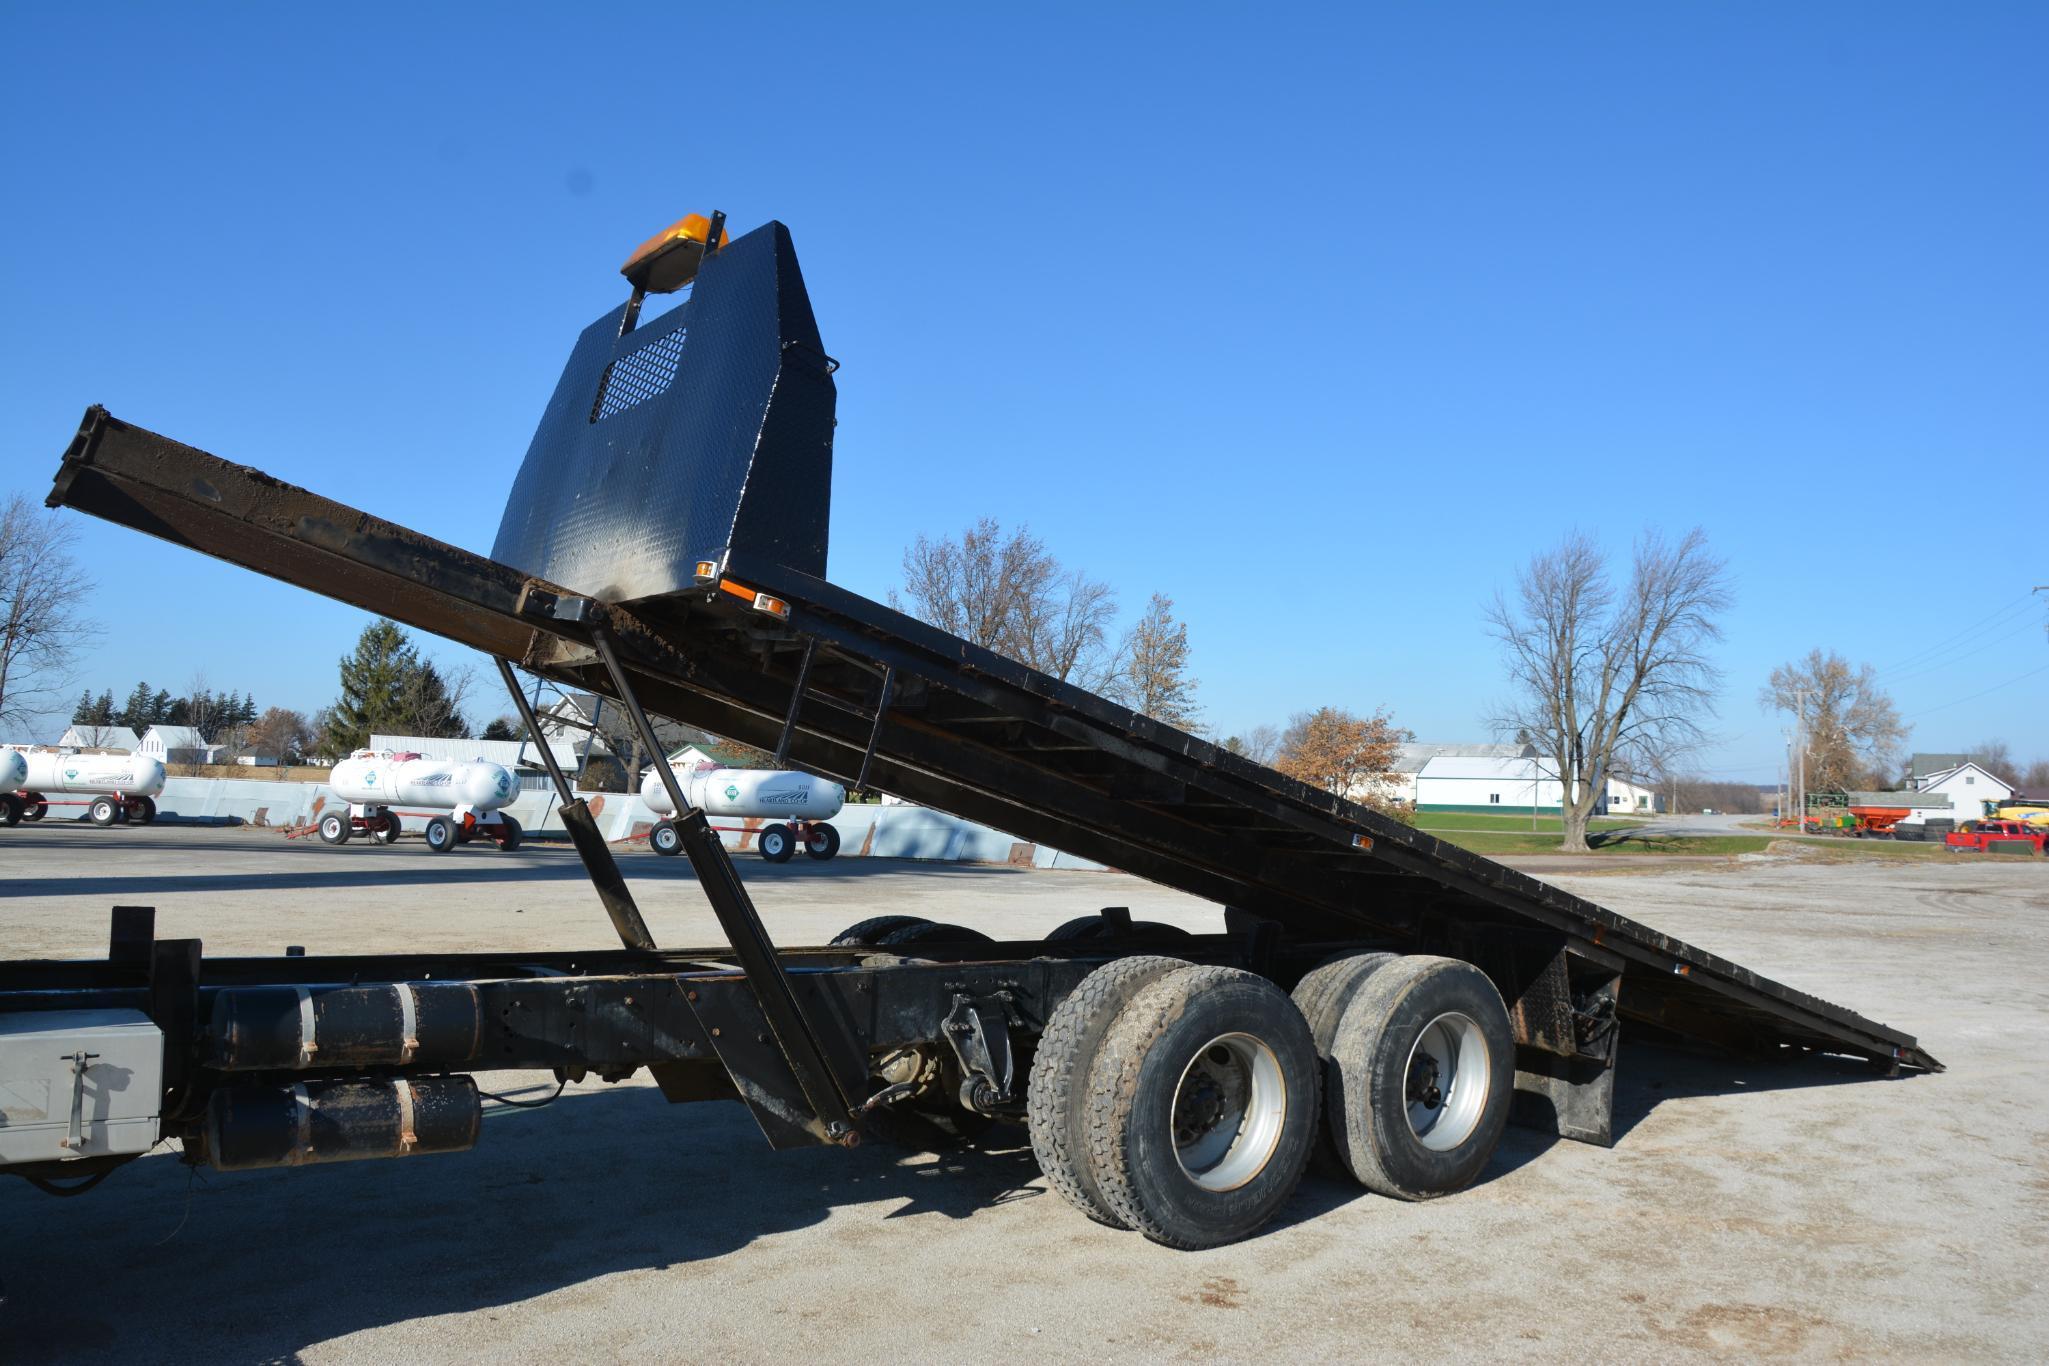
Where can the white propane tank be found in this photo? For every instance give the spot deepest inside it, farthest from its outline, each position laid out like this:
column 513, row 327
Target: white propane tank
column 13, row 771
column 117, row 771
column 748, row 792
column 386, row 777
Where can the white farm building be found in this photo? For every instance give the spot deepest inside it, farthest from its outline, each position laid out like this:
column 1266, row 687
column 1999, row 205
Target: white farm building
column 1508, row 785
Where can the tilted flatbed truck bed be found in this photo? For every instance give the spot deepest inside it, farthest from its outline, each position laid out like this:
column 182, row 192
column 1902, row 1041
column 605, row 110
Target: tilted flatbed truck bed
column 665, row 545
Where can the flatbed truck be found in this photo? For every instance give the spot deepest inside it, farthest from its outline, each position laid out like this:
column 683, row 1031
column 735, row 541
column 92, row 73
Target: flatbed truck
column 1376, row 994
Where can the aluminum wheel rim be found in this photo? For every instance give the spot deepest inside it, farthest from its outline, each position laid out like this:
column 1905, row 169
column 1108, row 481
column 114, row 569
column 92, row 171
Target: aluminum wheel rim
column 1447, row 1081
column 1229, row 1108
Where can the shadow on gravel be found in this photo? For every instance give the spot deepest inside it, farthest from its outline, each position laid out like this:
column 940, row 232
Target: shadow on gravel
column 1647, row 1073
column 601, row 1183
column 258, row 1266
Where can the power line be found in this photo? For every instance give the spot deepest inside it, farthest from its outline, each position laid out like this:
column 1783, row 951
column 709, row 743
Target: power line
column 1944, row 706
column 1999, row 617
column 1937, row 666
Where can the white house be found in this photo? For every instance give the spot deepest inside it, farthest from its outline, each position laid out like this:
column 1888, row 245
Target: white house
column 1511, row 785
column 100, row 737
column 1968, row 788
column 176, row 745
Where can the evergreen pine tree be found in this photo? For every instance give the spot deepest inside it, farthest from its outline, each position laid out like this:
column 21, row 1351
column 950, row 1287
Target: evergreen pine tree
column 375, row 681
column 135, row 712
column 81, row 715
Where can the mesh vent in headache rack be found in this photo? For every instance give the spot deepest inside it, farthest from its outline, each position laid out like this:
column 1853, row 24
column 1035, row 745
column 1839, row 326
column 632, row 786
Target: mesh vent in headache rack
column 634, row 379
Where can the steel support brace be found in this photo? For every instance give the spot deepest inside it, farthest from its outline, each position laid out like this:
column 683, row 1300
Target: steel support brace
column 875, row 733
column 742, row 923
column 583, row 830
column 782, row 744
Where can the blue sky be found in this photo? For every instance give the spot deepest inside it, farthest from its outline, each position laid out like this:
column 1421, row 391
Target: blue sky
column 1320, row 321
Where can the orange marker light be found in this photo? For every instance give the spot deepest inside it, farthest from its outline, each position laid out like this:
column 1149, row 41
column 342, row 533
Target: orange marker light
column 707, row 569
column 668, row 261
column 775, row 607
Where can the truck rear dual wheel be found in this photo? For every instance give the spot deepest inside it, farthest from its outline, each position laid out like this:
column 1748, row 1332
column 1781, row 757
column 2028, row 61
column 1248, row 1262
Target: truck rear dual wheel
column 868, row 933
column 1088, row 927
column 1200, row 1105
column 1322, row 996
column 1419, row 1073
column 1057, row 1097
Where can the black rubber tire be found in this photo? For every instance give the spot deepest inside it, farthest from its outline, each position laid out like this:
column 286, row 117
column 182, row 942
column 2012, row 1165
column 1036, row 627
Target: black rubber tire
column 1132, row 1089
column 335, row 828
column 1322, row 995
column 10, row 809
column 506, row 833
column 1088, row 927
column 931, row 932
column 441, row 834
column 1056, row 1099
column 869, row 932
column 34, row 807
column 1368, row 1076
column 142, row 811
column 103, row 811
column 825, row 844
column 389, row 828
column 665, row 839
column 776, row 843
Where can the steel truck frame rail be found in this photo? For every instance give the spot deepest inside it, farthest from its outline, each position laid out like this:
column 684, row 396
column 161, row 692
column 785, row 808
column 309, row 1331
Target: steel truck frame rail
column 665, row 546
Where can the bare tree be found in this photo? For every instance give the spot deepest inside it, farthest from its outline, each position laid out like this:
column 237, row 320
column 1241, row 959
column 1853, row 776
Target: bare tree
column 1996, row 758
column 1345, row 755
column 431, row 702
column 1851, row 727
column 1257, row 744
column 205, row 712
column 1156, row 681
column 1262, row 743
column 41, row 627
column 2035, row 779
column 1601, row 677
column 1702, row 794
column 282, row 732
column 1006, row 592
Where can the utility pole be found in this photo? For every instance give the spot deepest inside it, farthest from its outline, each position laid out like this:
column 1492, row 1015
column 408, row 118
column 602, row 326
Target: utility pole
column 1800, row 697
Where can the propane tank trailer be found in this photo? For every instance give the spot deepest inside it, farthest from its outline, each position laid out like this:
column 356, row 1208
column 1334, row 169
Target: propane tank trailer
column 13, row 774
column 112, row 785
column 800, row 802
column 377, row 782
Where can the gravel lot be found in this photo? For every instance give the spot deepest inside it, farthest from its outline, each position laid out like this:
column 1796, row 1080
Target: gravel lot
column 1802, row 1211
